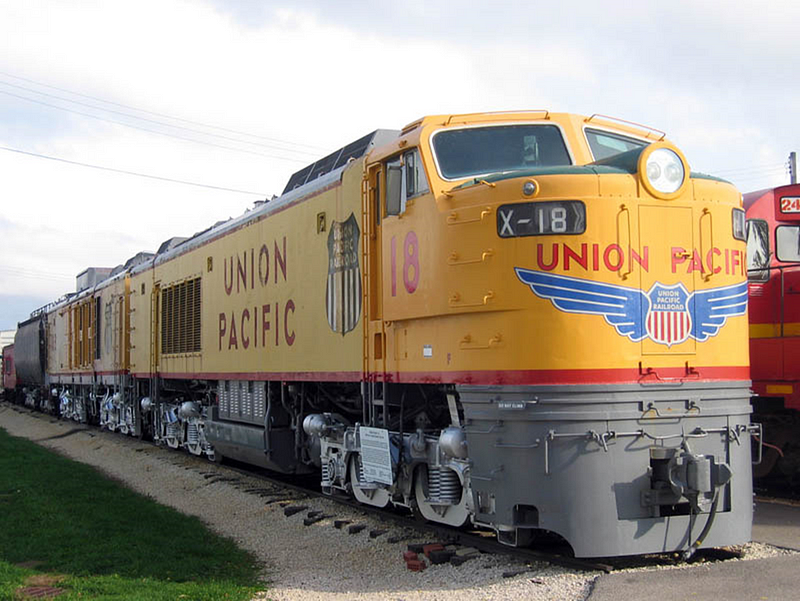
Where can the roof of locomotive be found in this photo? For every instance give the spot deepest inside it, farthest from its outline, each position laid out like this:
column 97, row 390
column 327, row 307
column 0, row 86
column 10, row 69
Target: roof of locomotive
column 338, row 158
column 750, row 198
column 321, row 180
column 620, row 125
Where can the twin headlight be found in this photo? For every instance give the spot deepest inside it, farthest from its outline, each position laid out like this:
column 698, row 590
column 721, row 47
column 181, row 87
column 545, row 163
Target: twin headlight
column 663, row 170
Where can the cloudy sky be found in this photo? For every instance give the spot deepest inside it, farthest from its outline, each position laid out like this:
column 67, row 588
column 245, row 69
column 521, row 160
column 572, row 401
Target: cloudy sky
column 235, row 95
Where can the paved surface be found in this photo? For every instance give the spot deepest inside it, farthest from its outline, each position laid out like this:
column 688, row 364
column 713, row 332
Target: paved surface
column 773, row 579
column 777, row 524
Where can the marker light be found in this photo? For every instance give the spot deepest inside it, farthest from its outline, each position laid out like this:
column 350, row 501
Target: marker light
column 663, row 170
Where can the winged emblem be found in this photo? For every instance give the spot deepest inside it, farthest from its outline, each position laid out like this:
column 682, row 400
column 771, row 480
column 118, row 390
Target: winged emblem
column 712, row 308
column 666, row 314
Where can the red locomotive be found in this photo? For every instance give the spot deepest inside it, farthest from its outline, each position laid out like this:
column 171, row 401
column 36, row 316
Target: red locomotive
column 773, row 262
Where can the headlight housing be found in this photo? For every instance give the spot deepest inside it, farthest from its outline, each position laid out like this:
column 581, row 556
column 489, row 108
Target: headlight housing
column 663, row 170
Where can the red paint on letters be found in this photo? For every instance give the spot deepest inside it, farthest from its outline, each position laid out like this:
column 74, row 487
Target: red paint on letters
column 540, row 259
column 581, row 259
column 245, row 339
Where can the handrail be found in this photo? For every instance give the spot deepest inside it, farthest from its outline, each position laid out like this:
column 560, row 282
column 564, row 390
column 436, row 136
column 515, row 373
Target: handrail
column 623, row 209
column 771, row 268
column 626, row 122
column 707, row 215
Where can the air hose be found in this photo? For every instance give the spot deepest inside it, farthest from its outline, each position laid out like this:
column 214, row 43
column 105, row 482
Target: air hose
column 706, row 529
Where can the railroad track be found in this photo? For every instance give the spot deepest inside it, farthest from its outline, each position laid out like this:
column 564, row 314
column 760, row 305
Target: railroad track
column 291, row 493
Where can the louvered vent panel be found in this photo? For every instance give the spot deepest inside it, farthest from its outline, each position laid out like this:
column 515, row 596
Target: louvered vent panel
column 180, row 318
column 196, row 308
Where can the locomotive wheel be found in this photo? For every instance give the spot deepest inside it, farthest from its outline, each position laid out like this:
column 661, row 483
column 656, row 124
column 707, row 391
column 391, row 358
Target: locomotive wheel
column 452, row 515
column 377, row 497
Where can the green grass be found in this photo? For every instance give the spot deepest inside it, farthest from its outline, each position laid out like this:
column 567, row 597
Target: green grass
column 109, row 542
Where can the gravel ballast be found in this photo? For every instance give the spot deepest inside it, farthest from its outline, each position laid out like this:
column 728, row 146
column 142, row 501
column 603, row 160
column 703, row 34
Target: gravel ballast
column 317, row 561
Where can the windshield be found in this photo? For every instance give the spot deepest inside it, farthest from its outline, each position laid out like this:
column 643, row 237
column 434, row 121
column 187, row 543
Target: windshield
column 494, row 149
column 757, row 249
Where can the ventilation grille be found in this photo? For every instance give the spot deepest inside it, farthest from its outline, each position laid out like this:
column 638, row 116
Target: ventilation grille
column 242, row 400
column 180, row 318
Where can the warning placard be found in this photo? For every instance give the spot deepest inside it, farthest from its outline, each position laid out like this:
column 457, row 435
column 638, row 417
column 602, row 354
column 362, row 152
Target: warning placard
column 375, row 455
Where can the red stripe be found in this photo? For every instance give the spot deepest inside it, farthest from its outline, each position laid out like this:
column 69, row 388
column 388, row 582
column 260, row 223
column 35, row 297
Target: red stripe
column 298, row 376
column 489, row 377
column 121, row 372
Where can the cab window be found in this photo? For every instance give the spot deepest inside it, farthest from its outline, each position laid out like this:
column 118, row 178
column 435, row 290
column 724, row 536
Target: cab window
column 482, row 151
column 405, row 179
column 787, row 243
column 604, row 144
column 757, row 250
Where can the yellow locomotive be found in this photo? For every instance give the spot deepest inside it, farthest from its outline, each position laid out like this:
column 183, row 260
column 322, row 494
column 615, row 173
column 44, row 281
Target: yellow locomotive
column 527, row 321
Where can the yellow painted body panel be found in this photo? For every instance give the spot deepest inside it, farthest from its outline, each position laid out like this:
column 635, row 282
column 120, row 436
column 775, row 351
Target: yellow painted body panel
column 469, row 313
column 114, row 354
column 442, row 301
column 72, row 342
column 264, row 297
column 57, row 346
column 141, row 286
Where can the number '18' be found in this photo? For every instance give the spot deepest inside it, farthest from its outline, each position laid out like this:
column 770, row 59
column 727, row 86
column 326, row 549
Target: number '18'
column 410, row 263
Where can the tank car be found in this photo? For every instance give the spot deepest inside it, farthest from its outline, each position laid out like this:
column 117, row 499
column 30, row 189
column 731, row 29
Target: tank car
column 30, row 355
column 773, row 260
column 524, row 321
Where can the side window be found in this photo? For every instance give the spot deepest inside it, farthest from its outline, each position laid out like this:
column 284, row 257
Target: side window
column 605, row 144
column 405, row 178
column 787, row 243
column 757, row 250
column 416, row 180
column 395, row 187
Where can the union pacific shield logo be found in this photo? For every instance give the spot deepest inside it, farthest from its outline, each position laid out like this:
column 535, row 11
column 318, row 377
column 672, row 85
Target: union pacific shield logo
column 668, row 321
column 665, row 314
column 343, row 293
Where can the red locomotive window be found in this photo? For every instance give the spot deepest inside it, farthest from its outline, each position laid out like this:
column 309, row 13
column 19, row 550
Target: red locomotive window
column 757, row 250
column 787, row 243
